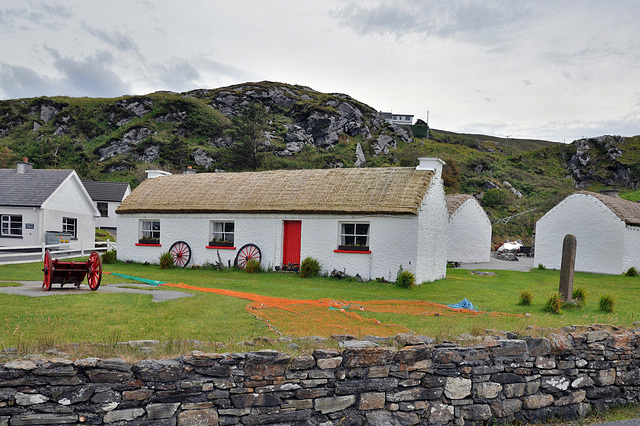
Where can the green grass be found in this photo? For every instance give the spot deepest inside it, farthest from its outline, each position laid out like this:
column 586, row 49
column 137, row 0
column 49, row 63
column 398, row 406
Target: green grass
column 101, row 317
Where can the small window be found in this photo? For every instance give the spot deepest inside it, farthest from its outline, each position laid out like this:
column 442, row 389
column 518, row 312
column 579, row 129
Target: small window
column 354, row 236
column 70, row 225
column 222, row 234
column 103, row 208
column 149, row 232
column 11, row 225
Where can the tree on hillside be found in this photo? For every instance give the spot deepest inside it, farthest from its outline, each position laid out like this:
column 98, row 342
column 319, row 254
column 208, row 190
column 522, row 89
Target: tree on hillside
column 248, row 134
column 7, row 158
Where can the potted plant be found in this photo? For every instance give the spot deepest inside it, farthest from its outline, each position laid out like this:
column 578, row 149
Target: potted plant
column 220, row 242
column 147, row 240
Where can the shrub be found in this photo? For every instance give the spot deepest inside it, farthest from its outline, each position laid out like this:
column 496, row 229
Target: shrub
column 109, row 256
column 580, row 296
column 606, row 303
column 525, row 298
column 496, row 197
column 252, row 266
column 309, row 267
column 405, row 279
column 166, row 261
column 554, row 304
column 631, row 272
column 541, row 267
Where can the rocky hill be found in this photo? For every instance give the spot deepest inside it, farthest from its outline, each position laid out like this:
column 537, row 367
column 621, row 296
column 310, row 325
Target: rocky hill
column 266, row 125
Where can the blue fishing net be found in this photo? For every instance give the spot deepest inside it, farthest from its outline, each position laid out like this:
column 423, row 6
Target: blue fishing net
column 464, row 304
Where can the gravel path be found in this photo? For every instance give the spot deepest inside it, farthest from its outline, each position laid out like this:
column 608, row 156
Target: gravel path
column 34, row 289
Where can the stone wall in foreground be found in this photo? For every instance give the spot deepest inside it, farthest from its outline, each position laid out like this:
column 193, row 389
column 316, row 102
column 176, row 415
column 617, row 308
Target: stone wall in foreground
column 523, row 379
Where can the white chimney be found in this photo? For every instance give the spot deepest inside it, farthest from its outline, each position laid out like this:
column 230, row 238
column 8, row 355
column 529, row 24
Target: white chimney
column 431, row 163
column 24, row 166
column 156, row 173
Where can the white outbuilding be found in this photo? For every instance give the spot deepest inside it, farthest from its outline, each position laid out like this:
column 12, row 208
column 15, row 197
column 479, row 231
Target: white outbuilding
column 365, row 221
column 607, row 231
column 469, row 230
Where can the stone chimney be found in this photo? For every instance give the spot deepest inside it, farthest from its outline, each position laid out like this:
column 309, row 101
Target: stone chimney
column 612, row 192
column 431, row 163
column 24, row 166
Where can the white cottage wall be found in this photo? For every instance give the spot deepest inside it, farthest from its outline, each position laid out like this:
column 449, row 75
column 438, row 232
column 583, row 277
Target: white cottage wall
column 469, row 234
column 599, row 233
column 631, row 248
column 71, row 200
column 30, row 237
column 393, row 240
column 433, row 230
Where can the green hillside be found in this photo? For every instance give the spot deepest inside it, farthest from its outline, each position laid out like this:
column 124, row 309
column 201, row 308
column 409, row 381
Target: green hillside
column 260, row 126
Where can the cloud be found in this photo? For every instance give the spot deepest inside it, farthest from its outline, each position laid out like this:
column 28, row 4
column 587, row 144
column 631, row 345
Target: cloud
column 122, row 42
column 472, row 22
column 90, row 76
column 178, row 76
column 36, row 14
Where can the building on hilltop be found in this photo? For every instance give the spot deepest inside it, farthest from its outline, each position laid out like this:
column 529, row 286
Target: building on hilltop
column 365, row 221
column 34, row 202
column 400, row 119
column 469, row 230
column 607, row 231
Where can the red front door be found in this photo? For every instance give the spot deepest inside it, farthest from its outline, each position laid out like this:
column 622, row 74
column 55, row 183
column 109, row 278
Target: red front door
column 291, row 245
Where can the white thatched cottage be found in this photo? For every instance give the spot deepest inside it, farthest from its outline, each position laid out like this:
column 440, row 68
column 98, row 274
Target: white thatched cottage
column 469, row 230
column 607, row 231
column 366, row 221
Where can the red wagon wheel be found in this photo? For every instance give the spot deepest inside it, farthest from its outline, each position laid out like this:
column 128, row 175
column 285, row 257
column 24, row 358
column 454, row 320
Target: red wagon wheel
column 48, row 271
column 246, row 253
column 94, row 275
column 181, row 253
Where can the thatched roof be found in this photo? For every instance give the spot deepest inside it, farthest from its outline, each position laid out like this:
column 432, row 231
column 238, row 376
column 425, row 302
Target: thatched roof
column 454, row 201
column 627, row 211
column 397, row 190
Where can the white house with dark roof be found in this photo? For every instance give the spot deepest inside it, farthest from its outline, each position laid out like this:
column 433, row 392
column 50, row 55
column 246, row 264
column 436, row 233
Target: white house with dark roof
column 399, row 119
column 365, row 221
column 107, row 196
column 34, row 201
column 607, row 231
column 469, row 230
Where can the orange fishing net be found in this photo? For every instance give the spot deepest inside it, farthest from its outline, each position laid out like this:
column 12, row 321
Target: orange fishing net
column 324, row 317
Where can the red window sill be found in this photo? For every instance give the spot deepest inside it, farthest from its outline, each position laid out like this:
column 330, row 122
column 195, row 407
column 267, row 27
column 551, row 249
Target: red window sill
column 149, row 245
column 353, row 251
column 220, row 247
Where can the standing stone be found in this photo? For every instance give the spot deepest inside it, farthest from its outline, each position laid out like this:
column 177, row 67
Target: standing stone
column 567, row 267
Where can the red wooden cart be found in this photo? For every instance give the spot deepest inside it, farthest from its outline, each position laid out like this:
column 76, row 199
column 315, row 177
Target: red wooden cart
column 59, row 272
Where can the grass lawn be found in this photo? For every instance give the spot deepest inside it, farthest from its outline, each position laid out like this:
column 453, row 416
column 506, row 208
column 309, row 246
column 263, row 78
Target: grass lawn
column 107, row 318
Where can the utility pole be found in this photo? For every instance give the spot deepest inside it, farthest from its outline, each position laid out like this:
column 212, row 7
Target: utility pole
column 427, row 125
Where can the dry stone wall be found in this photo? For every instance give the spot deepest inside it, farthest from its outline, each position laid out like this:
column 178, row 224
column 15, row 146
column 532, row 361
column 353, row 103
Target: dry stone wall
column 499, row 380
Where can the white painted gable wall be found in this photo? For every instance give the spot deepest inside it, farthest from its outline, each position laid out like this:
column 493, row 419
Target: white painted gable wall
column 469, row 234
column 600, row 235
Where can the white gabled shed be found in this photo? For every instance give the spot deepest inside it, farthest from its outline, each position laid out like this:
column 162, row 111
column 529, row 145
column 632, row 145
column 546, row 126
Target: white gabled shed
column 469, row 230
column 607, row 231
column 366, row 221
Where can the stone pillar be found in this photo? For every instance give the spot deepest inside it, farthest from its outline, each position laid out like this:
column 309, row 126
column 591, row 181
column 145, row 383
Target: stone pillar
column 567, row 267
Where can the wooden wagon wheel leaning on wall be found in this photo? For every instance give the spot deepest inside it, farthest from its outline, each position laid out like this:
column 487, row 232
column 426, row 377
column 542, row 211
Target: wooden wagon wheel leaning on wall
column 181, row 253
column 246, row 253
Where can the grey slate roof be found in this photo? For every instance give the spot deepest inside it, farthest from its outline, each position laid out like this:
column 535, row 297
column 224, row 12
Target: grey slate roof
column 30, row 189
column 106, row 191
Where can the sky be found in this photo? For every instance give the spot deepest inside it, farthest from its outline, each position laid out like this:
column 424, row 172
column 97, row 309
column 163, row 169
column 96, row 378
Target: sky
column 536, row 69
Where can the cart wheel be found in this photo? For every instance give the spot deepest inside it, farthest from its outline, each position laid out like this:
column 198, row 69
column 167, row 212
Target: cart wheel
column 48, row 271
column 246, row 253
column 94, row 276
column 181, row 253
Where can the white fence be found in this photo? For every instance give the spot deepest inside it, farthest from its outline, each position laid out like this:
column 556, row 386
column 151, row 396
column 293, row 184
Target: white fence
column 28, row 254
